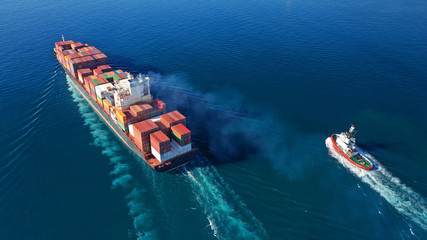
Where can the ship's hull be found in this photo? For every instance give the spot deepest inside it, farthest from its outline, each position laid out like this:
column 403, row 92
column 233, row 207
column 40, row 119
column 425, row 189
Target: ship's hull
column 349, row 158
column 164, row 167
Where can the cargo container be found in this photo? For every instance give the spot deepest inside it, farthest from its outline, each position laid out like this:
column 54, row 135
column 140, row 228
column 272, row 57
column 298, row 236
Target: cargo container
column 142, row 111
column 160, row 142
column 107, row 106
column 82, row 73
column 121, row 76
column 96, row 51
column 105, row 68
column 107, row 77
column 97, row 72
column 116, row 78
column 76, row 46
column 92, row 94
column 172, row 118
column 103, row 78
column 64, row 44
column 95, row 81
column 175, row 150
column 181, row 134
column 100, row 59
column 130, row 128
column 123, row 126
column 141, row 133
column 121, row 117
column 133, row 118
column 99, row 101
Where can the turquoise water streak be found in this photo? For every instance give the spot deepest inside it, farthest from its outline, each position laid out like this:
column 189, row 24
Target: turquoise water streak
column 262, row 83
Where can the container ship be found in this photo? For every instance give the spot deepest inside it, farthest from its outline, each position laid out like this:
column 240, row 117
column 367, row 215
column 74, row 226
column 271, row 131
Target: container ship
column 345, row 144
column 126, row 105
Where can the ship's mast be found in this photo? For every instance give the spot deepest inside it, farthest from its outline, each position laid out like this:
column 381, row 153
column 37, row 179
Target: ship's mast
column 63, row 38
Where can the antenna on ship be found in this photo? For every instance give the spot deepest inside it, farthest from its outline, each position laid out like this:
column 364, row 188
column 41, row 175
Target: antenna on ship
column 63, row 38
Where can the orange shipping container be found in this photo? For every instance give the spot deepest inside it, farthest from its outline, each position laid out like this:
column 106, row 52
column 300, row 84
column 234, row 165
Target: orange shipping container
column 107, row 106
column 172, row 118
column 121, row 117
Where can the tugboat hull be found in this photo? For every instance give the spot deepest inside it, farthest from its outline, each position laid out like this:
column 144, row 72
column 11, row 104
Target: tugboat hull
column 364, row 162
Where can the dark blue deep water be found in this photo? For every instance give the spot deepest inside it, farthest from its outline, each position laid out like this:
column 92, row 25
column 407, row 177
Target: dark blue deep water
column 263, row 85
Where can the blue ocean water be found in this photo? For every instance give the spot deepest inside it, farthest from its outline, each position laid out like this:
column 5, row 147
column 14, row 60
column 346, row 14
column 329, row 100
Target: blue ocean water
column 263, row 84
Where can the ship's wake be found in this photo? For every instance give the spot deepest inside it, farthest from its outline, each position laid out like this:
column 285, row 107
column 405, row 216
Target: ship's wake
column 228, row 216
column 121, row 170
column 215, row 128
column 407, row 202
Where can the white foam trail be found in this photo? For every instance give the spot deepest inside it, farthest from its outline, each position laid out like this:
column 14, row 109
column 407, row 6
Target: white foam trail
column 403, row 198
column 102, row 138
column 227, row 215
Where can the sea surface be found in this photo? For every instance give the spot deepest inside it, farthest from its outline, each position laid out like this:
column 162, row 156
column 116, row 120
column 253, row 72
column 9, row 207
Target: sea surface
column 263, row 85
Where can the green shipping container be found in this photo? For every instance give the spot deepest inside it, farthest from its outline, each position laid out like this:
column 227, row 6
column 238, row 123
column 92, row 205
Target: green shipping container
column 96, row 82
column 106, row 75
column 117, row 78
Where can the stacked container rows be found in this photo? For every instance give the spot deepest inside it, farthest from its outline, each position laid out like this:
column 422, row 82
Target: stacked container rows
column 165, row 137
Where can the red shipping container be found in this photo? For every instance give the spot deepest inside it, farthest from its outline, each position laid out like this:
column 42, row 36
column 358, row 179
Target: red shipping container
column 160, row 142
column 65, row 45
column 96, row 51
column 87, row 79
column 76, row 45
column 121, row 75
column 142, row 131
column 97, row 72
column 105, row 68
column 100, row 59
column 103, row 78
column 141, row 110
column 87, row 53
column 129, row 116
column 82, row 73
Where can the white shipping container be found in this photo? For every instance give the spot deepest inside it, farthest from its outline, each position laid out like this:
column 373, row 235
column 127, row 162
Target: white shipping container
column 161, row 157
column 176, row 150
column 131, row 130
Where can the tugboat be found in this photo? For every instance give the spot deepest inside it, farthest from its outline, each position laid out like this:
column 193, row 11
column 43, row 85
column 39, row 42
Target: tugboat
column 345, row 144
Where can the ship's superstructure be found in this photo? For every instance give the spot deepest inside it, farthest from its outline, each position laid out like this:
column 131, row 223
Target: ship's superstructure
column 345, row 144
column 127, row 106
